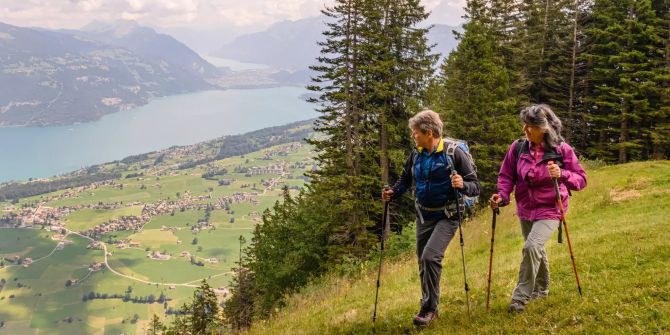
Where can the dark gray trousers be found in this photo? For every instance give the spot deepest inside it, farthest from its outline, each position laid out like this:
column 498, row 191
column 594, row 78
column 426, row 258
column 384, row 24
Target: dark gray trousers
column 432, row 239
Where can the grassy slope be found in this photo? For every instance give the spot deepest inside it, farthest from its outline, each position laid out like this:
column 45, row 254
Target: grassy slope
column 619, row 229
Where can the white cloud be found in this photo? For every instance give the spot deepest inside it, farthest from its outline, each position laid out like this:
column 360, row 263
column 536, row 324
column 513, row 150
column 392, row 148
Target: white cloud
column 89, row 5
column 197, row 14
column 446, row 11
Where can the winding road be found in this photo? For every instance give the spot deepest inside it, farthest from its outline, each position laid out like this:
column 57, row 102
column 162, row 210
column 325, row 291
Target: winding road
column 104, row 246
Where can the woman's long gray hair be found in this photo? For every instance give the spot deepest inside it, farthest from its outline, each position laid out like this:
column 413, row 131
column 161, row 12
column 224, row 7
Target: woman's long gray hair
column 543, row 117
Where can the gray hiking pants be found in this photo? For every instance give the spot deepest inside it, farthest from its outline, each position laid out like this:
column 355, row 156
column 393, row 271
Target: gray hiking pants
column 432, row 239
column 534, row 270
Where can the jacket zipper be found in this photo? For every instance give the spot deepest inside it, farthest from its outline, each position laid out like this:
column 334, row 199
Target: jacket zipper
column 430, row 172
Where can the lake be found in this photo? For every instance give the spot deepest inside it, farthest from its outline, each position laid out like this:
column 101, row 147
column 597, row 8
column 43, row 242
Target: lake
column 33, row 152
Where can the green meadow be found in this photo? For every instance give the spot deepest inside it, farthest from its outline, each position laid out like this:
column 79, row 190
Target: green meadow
column 88, row 218
column 36, row 300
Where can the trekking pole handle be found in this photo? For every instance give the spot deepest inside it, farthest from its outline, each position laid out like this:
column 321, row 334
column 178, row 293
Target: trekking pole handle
column 453, row 173
column 555, row 180
column 559, row 203
column 386, row 187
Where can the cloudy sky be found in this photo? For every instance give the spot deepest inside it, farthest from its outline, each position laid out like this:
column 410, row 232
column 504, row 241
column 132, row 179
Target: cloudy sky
column 247, row 15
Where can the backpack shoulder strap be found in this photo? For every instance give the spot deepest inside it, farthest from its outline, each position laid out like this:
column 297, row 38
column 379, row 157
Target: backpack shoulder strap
column 448, row 152
column 413, row 157
column 450, row 146
column 451, row 166
column 518, row 147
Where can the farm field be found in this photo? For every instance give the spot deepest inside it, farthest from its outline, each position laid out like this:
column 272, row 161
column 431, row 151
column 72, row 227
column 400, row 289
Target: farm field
column 163, row 230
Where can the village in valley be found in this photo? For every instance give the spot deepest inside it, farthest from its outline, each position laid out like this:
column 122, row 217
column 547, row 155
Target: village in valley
column 159, row 230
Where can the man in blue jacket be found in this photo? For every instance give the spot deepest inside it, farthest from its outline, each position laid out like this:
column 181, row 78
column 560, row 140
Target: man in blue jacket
column 430, row 168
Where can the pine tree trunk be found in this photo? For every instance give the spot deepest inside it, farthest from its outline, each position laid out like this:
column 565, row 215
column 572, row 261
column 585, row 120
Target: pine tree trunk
column 571, row 92
column 602, row 140
column 356, row 110
column 623, row 133
column 384, row 134
column 659, row 149
column 542, row 49
column 348, row 109
column 584, row 89
column 383, row 119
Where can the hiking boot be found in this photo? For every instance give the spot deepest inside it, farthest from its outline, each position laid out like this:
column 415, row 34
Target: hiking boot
column 516, row 307
column 423, row 318
column 538, row 295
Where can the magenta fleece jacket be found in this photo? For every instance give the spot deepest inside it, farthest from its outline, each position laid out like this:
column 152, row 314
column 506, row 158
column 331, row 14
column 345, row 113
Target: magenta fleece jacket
column 532, row 185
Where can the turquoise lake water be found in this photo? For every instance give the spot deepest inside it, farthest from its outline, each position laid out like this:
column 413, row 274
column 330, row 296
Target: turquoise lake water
column 164, row 122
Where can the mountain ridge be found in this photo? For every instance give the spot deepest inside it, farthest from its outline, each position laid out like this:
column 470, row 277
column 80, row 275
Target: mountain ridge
column 292, row 45
column 60, row 78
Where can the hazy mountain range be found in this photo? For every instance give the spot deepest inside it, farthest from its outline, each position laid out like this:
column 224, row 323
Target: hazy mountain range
column 292, row 45
column 63, row 77
column 60, row 77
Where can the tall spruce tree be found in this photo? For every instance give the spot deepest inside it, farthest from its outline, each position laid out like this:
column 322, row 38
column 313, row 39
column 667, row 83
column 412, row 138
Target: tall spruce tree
column 204, row 311
column 339, row 177
column 372, row 74
column 660, row 129
column 156, row 327
column 238, row 311
column 398, row 65
column 506, row 21
column 625, row 56
column 565, row 76
column 478, row 102
column 535, row 36
column 288, row 249
column 374, row 68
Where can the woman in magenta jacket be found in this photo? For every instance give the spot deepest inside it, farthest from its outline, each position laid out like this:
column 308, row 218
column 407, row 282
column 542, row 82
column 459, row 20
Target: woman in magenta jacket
column 529, row 168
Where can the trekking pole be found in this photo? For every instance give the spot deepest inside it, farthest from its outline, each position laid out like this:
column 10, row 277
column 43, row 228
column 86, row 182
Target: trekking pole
column 496, row 211
column 381, row 256
column 567, row 235
column 460, row 230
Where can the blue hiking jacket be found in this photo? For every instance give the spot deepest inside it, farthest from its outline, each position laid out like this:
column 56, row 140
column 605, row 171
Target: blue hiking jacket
column 432, row 178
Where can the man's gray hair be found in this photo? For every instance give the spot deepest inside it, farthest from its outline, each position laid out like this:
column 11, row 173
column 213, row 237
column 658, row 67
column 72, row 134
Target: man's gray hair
column 543, row 117
column 427, row 120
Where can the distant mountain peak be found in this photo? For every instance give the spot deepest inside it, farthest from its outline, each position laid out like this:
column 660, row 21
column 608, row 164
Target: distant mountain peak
column 78, row 76
column 118, row 28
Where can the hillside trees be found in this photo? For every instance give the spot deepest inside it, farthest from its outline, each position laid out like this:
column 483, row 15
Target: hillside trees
column 601, row 64
column 239, row 308
column 201, row 315
column 372, row 75
column 628, row 58
column 476, row 94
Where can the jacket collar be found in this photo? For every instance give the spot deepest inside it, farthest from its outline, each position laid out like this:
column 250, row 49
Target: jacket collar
column 550, row 153
column 440, row 147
